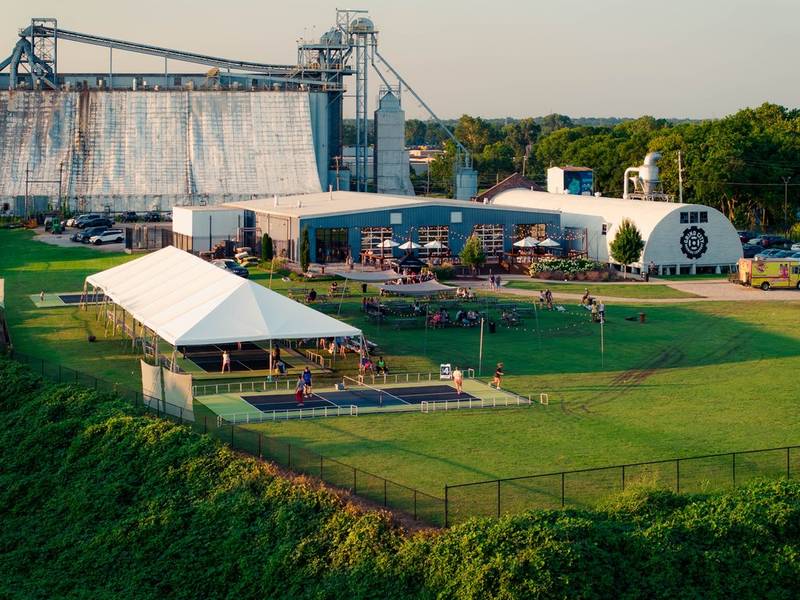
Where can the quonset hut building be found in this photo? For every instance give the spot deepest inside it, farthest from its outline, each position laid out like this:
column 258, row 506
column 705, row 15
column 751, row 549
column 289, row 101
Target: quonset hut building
column 679, row 238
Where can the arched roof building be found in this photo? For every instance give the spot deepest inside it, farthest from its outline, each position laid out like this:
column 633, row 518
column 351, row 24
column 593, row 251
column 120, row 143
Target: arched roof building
column 678, row 237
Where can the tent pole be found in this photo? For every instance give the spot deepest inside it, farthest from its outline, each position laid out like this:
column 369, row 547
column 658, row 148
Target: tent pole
column 341, row 299
column 83, row 294
column 270, row 359
column 172, row 365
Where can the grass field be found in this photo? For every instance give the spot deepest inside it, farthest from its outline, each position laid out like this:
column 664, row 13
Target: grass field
column 644, row 291
column 695, row 378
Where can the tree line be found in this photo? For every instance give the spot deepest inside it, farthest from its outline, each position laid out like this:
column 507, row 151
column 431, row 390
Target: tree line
column 746, row 164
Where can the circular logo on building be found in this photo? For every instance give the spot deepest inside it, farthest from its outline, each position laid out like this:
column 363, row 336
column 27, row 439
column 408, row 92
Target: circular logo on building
column 694, row 242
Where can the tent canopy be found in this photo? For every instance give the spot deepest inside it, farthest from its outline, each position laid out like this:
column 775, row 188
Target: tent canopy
column 369, row 276
column 187, row 301
column 426, row 288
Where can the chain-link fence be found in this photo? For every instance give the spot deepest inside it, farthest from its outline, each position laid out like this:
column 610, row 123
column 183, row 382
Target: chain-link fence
column 587, row 487
column 384, row 492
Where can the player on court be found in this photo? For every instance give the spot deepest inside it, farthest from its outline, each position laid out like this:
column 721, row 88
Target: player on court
column 498, row 375
column 226, row 361
column 307, row 382
column 299, row 388
column 458, row 380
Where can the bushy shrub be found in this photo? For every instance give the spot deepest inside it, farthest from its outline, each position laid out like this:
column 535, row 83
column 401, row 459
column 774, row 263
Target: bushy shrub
column 444, row 271
column 566, row 266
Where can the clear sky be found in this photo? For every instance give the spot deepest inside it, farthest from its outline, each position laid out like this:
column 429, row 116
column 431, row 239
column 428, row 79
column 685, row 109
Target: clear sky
column 680, row 58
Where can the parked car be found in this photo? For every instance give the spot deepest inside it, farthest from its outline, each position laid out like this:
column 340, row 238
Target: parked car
column 231, row 266
column 152, row 216
column 750, row 250
column 53, row 224
column 744, row 236
column 88, row 233
column 168, row 216
column 129, row 216
column 80, row 220
column 109, row 236
column 795, row 247
column 98, row 222
column 771, row 241
column 773, row 253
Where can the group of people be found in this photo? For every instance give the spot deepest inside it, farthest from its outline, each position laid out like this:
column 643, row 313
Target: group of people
column 467, row 318
column 598, row 310
column 465, row 293
column 334, row 346
column 303, row 388
column 494, row 282
column 546, row 299
column 440, row 318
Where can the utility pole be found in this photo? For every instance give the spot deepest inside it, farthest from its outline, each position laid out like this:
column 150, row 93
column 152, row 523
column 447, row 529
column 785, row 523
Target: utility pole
column 786, row 203
column 428, row 185
column 680, row 178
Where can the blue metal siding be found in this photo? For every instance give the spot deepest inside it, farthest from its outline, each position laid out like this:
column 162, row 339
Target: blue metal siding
column 415, row 217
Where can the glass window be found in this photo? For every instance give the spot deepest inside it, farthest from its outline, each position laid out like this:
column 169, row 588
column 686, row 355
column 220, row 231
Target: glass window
column 535, row 230
column 491, row 236
column 332, row 244
column 704, row 216
column 604, row 229
column 434, row 233
column 373, row 237
column 395, row 218
column 456, row 216
column 684, row 217
column 693, row 217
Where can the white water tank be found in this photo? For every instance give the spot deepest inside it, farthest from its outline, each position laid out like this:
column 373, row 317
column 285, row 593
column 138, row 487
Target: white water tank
column 648, row 173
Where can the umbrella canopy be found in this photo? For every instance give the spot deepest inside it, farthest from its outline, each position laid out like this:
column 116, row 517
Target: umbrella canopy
column 389, row 244
column 435, row 245
column 549, row 243
column 409, row 245
column 527, row 242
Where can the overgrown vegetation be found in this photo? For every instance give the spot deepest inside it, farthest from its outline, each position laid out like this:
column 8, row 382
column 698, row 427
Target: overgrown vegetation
column 101, row 502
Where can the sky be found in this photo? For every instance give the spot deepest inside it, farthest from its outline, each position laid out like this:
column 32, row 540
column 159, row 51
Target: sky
column 504, row 58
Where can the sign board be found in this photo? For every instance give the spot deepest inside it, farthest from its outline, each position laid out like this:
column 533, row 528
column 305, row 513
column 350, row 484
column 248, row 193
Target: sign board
column 445, row 371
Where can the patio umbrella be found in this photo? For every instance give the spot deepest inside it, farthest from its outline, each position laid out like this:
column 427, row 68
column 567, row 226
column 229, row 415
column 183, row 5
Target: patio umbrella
column 527, row 242
column 548, row 243
column 409, row 245
column 389, row 244
column 435, row 245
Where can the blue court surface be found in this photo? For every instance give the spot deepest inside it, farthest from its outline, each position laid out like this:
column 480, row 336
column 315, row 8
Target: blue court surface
column 362, row 397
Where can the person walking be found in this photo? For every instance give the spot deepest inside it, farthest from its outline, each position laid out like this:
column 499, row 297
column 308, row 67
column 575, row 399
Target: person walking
column 497, row 282
column 307, row 382
column 226, row 361
column 498, row 375
column 491, row 282
column 458, row 380
column 299, row 388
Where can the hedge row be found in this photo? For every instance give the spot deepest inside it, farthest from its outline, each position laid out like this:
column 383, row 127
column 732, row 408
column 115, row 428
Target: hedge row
column 100, row 502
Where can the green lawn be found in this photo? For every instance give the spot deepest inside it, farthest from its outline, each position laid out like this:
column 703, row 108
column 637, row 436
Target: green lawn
column 644, row 291
column 695, row 378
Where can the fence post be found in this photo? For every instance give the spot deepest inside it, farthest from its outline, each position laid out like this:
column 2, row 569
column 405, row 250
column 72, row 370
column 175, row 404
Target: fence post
column 733, row 469
column 678, row 476
column 498, row 498
column 562, row 489
column 623, row 478
column 446, row 502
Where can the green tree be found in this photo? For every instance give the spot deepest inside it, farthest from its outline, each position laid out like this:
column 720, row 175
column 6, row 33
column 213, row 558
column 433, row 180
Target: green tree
column 554, row 122
column 472, row 254
column 415, row 132
column 266, row 247
column 442, row 168
column 628, row 244
column 305, row 251
column 475, row 133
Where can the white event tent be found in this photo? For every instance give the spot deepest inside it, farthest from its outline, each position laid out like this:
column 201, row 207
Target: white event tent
column 187, row 301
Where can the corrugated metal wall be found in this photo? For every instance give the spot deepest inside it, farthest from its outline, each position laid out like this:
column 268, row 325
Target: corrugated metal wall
column 145, row 149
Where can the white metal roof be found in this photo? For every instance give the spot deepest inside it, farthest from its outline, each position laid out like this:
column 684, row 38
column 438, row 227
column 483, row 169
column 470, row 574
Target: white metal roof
column 188, row 301
column 333, row 203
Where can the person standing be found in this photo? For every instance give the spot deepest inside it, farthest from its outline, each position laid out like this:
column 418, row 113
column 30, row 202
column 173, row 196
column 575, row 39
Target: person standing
column 595, row 312
column 226, row 361
column 458, row 380
column 497, row 282
column 601, row 311
column 498, row 375
column 491, row 282
column 307, row 382
column 299, row 387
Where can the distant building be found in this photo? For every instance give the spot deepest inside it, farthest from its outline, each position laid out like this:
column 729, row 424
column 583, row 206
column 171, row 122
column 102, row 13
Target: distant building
column 512, row 182
column 578, row 181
